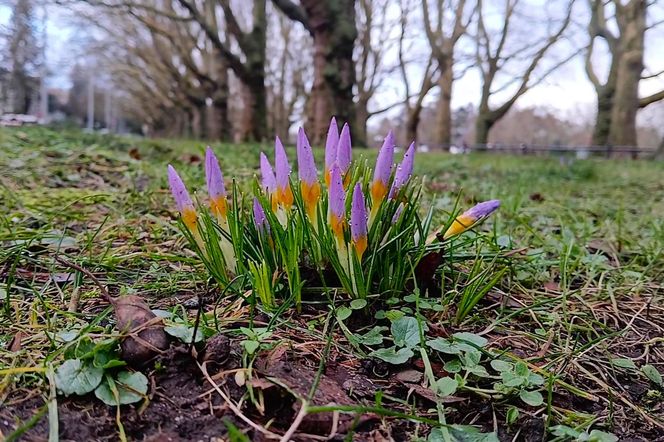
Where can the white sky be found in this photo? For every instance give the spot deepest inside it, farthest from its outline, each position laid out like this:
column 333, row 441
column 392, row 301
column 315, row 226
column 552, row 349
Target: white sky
column 567, row 90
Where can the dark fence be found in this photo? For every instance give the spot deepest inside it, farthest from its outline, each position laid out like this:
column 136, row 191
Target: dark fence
column 540, row 149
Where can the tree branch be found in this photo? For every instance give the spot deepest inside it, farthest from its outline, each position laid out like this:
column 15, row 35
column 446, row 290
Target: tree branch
column 294, row 12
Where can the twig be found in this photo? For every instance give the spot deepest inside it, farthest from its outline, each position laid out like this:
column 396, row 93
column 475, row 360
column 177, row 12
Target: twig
column 296, row 423
column 104, row 293
column 617, row 394
column 233, row 407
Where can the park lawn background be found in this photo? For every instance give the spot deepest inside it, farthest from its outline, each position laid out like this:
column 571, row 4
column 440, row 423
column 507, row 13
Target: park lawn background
column 584, row 288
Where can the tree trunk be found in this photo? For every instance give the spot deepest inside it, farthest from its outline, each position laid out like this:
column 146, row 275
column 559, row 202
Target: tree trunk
column 482, row 128
column 359, row 129
column 603, row 117
column 255, row 108
column 332, row 24
column 626, row 99
column 412, row 123
column 195, row 121
column 444, row 117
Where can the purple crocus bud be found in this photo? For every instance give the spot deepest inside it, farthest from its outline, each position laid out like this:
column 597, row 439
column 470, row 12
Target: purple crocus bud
column 344, row 150
column 182, row 199
column 471, row 216
column 358, row 221
column 383, row 169
column 309, row 185
column 337, row 203
column 305, row 159
column 404, row 170
column 482, row 210
column 331, row 149
column 260, row 220
column 283, row 169
column 215, row 184
column 268, row 179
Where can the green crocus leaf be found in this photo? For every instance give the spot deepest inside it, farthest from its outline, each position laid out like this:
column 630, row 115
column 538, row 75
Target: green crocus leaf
column 77, row 377
column 131, row 387
column 357, row 304
column 446, row 386
column 343, row 313
column 501, row 366
column 406, row 332
column 251, row 346
column 532, row 398
column 471, row 337
column 392, row 356
column 653, row 374
column 184, row 333
column 623, row 363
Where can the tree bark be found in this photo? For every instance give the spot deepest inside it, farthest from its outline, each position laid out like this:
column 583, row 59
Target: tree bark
column 332, row 25
column 604, row 114
column 360, row 126
column 413, row 122
column 444, row 111
column 482, row 127
column 626, row 99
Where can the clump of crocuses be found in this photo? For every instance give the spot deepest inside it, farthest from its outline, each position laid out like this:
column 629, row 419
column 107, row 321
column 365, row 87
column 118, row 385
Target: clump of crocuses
column 352, row 228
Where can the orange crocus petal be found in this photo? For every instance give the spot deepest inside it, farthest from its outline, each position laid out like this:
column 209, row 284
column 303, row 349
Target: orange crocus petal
column 285, row 196
column 337, row 226
column 360, row 246
column 219, row 206
column 327, row 177
column 460, row 225
column 189, row 217
column 310, row 195
column 378, row 191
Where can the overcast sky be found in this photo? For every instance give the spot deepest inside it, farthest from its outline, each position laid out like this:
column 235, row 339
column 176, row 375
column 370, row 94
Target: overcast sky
column 568, row 90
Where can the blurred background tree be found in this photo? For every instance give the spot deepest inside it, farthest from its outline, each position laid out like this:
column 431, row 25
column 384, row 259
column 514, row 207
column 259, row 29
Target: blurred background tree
column 443, row 72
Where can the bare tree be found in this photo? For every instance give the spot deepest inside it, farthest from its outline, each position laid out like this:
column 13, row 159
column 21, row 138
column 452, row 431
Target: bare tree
column 288, row 75
column 22, row 54
column 443, row 34
column 623, row 28
column 497, row 49
column 331, row 23
column 373, row 43
column 249, row 66
column 413, row 98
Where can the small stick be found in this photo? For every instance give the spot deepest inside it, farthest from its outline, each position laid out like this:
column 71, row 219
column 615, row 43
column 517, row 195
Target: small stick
column 104, row 293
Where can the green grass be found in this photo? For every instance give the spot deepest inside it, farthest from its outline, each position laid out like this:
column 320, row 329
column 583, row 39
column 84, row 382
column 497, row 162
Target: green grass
column 584, row 286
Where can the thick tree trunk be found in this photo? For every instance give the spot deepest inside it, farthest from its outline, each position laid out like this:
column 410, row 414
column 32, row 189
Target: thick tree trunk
column 196, row 123
column 256, row 108
column 413, row 123
column 444, row 111
column 626, row 99
column 603, row 117
column 332, row 24
column 359, row 129
column 482, row 127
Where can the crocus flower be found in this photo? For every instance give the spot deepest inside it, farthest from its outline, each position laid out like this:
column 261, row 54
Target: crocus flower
column 331, row 149
column 466, row 220
column 268, row 180
column 182, row 200
column 260, row 220
column 337, row 203
column 283, row 169
column 404, row 170
column 383, row 170
column 358, row 222
column 215, row 185
column 344, row 150
column 306, row 166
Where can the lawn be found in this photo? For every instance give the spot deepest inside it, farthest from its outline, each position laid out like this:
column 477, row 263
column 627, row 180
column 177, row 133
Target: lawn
column 568, row 344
